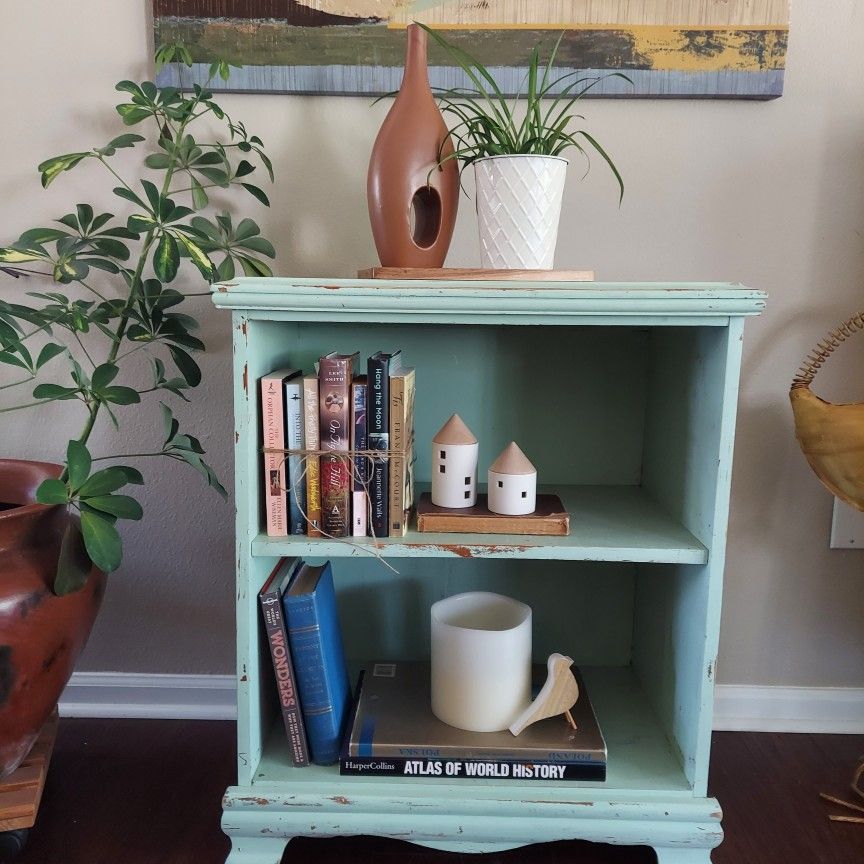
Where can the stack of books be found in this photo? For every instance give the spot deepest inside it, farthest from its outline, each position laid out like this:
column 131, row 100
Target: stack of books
column 331, row 423
column 298, row 604
column 393, row 733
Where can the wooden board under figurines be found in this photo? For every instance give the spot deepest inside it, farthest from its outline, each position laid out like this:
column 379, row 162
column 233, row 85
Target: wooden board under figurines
column 549, row 518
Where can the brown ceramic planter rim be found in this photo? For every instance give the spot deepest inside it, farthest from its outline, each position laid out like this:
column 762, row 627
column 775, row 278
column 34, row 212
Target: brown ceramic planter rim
column 25, row 510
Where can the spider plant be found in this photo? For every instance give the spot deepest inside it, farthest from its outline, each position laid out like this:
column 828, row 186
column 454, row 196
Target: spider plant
column 487, row 124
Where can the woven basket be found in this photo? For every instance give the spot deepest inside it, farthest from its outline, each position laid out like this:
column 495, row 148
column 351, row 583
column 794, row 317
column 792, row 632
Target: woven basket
column 831, row 436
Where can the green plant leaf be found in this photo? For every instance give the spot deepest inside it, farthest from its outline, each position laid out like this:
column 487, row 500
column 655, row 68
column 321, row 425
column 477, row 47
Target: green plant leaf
column 103, row 375
column 166, row 258
column 51, row 168
column 256, row 193
column 11, row 359
column 101, row 540
column 52, row 491
column 49, row 352
column 105, row 482
column 199, row 195
column 120, row 395
column 199, row 257
column 73, row 564
column 78, row 463
column 121, row 506
column 10, row 255
column 169, row 424
column 187, row 367
column 158, row 161
column 54, row 391
column 129, row 195
column 132, row 475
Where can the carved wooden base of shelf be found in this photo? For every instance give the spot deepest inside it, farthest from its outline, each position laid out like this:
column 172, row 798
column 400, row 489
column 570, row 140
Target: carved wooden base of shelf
column 21, row 791
column 682, row 830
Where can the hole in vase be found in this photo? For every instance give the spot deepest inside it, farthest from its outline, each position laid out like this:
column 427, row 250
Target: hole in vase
column 425, row 216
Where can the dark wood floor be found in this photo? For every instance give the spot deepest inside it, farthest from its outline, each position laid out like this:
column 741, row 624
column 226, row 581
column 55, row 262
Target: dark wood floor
column 145, row 792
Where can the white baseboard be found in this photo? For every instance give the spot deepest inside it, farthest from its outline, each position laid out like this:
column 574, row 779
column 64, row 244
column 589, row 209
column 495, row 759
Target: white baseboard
column 751, row 708
column 152, row 697
column 737, row 708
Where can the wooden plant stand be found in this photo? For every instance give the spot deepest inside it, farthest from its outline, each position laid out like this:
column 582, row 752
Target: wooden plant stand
column 21, row 792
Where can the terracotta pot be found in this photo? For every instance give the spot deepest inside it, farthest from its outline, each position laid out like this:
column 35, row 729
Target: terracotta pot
column 41, row 635
column 412, row 202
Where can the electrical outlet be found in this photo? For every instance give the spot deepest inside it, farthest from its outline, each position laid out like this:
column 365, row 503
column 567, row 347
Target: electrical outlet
column 847, row 527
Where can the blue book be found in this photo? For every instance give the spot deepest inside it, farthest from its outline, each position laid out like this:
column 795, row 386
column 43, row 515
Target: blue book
column 319, row 659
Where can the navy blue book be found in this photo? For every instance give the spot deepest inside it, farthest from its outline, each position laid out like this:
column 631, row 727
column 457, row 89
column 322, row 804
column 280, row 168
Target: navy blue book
column 315, row 640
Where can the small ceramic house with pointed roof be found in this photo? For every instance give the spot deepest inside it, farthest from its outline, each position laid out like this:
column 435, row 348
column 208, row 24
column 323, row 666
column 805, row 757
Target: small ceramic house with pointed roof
column 512, row 483
column 454, row 465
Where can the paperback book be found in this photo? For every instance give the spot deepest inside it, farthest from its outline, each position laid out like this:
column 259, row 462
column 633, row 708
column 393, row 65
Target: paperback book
column 270, row 600
column 360, row 480
column 294, row 438
column 380, row 367
column 393, row 732
column 312, row 461
column 401, row 442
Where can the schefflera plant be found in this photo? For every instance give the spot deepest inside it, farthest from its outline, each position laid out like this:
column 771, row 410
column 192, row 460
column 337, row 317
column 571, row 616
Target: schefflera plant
column 111, row 298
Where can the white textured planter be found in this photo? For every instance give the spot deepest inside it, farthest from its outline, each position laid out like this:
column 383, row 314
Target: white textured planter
column 481, row 660
column 518, row 208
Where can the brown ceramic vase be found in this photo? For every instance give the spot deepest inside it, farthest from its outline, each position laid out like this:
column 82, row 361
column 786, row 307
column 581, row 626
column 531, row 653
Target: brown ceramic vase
column 41, row 635
column 413, row 202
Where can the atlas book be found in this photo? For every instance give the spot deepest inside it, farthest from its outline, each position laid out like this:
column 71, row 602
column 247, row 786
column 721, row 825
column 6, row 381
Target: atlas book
column 315, row 640
column 273, row 439
column 312, row 461
column 401, row 442
column 270, row 600
column 393, row 732
column 360, row 480
column 294, row 428
column 335, row 373
column 380, row 367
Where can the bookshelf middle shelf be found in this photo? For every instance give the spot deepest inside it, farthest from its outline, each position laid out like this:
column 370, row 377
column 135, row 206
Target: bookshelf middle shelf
column 607, row 523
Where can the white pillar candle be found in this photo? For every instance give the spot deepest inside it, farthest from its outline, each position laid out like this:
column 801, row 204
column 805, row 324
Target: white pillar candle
column 481, row 660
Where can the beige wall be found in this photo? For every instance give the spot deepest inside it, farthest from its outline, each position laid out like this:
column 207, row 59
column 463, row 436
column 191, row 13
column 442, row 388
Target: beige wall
column 769, row 194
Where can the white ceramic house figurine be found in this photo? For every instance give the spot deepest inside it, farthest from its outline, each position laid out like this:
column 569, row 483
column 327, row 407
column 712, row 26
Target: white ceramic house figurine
column 454, row 465
column 512, row 483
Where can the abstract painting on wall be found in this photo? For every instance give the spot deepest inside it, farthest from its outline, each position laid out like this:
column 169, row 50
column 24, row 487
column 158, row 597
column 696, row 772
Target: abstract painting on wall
column 668, row 48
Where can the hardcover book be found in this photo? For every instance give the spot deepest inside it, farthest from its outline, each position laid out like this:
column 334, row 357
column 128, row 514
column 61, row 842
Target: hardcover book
column 335, row 373
column 319, row 659
column 312, row 462
column 380, row 367
column 402, row 389
column 273, row 438
column 294, row 424
column 360, row 483
column 393, row 725
column 270, row 600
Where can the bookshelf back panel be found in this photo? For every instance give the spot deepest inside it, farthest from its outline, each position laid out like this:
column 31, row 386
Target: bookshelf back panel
column 581, row 609
column 572, row 397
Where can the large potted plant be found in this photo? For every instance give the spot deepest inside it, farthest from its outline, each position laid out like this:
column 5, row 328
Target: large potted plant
column 111, row 296
column 519, row 166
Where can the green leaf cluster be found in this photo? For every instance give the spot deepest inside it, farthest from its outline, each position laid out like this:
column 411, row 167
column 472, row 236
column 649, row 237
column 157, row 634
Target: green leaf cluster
column 486, row 122
column 119, row 276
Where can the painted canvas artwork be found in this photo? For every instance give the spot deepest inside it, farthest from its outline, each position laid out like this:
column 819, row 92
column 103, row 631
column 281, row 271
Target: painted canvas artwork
column 667, row 48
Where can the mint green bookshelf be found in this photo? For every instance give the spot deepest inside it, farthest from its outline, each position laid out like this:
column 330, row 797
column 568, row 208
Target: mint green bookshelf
column 624, row 396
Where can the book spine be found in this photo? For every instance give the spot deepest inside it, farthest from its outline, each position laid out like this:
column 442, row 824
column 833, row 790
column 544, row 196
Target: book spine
column 334, row 394
column 273, row 429
column 312, row 463
column 401, row 441
column 470, row 769
column 294, row 423
column 359, row 503
column 286, row 685
column 323, row 703
column 378, row 435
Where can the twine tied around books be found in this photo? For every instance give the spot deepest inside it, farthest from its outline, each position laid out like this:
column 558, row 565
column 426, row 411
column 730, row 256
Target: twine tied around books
column 347, row 456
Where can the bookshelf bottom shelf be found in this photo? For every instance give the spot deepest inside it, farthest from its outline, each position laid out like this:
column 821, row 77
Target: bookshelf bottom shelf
column 645, row 800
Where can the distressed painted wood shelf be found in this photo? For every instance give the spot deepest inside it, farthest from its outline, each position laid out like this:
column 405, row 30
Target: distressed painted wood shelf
column 623, row 395
column 607, row 523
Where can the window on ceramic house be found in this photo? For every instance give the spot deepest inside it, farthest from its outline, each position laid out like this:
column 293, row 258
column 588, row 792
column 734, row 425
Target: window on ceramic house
column 443, row 454
column 467, row 494
column 524, row 494
column 467, row 481
column 441, row 469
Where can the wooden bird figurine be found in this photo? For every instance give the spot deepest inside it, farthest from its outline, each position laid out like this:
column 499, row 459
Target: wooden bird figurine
column 557, row 696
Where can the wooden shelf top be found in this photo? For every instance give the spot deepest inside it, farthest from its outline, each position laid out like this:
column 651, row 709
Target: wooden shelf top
column 489, row 302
